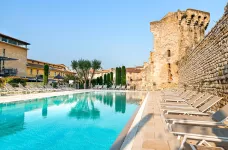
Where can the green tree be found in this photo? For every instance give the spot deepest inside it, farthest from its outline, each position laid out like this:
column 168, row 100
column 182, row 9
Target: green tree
column 119, row 76
column 123, row 75
column 101, row 80
column 95, row 64
column 109, row 83
column 98, row 80
column 82, row 68
column 111, row 77
column 105, row 79
column 46, row 73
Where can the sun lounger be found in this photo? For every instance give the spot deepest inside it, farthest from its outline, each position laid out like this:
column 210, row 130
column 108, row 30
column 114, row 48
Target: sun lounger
column 183, row 98
column 193, row 110
column 187, row 102
column 95, row 87
column 217, row 118
column 206, row 146
column 118, row 87
column 100, row 87
column 128, row 87
column 105, row 87
column 173, row 93
column 112, row 87
column 123, row 87
column 208, row 133
column 199, row 102
column 12, row 90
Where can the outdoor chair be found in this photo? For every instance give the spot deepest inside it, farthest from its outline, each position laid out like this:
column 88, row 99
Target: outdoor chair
column 201, row 146
column 187, row 102
column 203, row 108
column 123, row 87
column 24, row 88
column 105, row 87
column 196, row 104
column 183, row 97
column 216, row 118
column 128, row 87
column 118, row 87
column 12, row 90
column 200, row 133
column 173, row 93
column 112, row 87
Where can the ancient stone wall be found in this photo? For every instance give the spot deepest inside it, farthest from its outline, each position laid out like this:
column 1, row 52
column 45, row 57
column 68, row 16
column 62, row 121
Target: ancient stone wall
column 173, row 34
column 205, row 66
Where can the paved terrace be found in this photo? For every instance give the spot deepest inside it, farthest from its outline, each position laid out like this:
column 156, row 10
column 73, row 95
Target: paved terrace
column 148, row 131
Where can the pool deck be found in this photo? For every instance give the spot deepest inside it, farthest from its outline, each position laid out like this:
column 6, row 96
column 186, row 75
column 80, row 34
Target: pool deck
column 148, row 131
column 26, row 97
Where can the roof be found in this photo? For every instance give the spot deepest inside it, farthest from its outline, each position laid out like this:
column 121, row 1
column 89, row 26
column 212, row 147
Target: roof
column 133, row 70
column 60, row 65
column 3, row 35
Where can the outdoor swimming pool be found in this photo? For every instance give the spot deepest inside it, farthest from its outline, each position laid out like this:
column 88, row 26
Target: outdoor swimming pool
column 80, row 121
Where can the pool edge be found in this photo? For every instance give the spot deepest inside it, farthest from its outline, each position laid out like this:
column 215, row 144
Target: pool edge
column 124, row 133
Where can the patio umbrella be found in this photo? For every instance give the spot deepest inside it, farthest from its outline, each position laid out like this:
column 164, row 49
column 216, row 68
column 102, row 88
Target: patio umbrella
column 58, row 77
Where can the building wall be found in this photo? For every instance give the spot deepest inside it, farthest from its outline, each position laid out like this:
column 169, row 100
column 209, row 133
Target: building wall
column 173, row 34
column 15, row 52
column 54, row 69
column 205, row 67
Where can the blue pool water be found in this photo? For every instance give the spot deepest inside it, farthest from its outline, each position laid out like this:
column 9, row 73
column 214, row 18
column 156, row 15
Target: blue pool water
column 81, row 121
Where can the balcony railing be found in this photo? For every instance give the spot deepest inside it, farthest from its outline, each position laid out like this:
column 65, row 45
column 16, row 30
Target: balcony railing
column 8, row 72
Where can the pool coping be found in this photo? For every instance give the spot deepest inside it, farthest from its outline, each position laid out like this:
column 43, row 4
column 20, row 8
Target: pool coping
column 28, row 97
column 123, row 137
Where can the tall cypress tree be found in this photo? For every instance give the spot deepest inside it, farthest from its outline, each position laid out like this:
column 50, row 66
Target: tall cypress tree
column 101, row 80
column 109, row 80
column 98, row 80
column 46, row 73
column 117, row 75
column 111, row 77
column 123, row 75
column 105, row 79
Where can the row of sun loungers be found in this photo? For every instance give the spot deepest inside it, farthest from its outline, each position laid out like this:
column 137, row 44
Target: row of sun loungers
column 187, row 115
column 28, row 89
column 113, row 87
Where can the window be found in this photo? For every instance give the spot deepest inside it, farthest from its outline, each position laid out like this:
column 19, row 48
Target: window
column 37, row 71
column 12, row 42
column 169, row 53
column 4, row 39
column 31, row 71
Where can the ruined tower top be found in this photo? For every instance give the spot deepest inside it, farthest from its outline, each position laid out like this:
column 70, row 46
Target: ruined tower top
column 194, row 17
column 226, row 9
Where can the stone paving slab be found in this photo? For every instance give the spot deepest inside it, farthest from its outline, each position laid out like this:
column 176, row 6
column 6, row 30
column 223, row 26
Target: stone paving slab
column 151, row 131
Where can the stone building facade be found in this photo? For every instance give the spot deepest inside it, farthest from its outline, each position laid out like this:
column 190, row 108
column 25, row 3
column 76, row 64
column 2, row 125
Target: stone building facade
column 205, row 66
column 173, row 35
column 134, row 77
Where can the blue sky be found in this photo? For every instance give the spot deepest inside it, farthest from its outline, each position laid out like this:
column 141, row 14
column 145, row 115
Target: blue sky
column 115, row 31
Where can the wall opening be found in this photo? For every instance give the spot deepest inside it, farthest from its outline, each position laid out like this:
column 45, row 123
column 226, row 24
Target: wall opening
column 169, row 53
column 170, row 78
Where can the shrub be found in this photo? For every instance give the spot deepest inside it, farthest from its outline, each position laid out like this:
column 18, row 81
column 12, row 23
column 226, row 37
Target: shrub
column 15, row 80
column 54, row 84
column 2, row 82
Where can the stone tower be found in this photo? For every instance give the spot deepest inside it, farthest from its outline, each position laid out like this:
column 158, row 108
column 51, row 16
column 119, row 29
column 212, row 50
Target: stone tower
column 173, row 35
